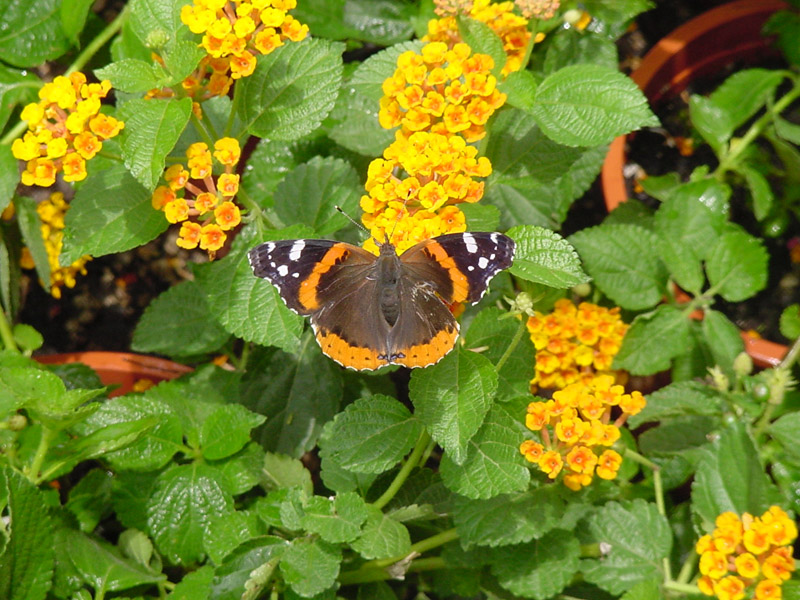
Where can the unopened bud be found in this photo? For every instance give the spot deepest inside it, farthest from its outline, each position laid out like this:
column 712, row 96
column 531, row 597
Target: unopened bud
column 743, row 364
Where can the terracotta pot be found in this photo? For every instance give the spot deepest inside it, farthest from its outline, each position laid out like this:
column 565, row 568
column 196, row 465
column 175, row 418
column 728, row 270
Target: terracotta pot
column 707, row 43
column 121, row 368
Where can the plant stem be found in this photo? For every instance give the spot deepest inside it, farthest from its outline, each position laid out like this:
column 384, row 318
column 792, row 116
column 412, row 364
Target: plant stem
column 411, row 462
column 6, row 333
column 791, row 355
column 92, row 47
column 523, row 327
column 686, row 588
column 32, row 472
column 687, row 568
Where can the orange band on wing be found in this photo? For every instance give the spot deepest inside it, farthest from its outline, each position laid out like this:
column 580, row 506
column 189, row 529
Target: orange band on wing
column 347, row 355
column 460, row 283
column 428, row 353
column 307, row 296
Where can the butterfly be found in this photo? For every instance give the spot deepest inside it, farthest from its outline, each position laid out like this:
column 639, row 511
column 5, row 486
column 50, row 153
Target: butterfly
column 368, row 311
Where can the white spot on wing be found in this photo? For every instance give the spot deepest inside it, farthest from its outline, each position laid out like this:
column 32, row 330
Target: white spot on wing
column 470, row 268
column 469, row 241
column 296, row 250
column 283, row 270
column 483, row 262
column 295, row 275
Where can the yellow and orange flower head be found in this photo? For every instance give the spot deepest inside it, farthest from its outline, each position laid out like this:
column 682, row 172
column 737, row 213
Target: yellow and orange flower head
column 576, row 426
column 573, row 341
column 413, row 191
column 51, row 213
column 441, row 90
column 512, row 29
column 747, row 556
column 65, row 129
column 202, row 204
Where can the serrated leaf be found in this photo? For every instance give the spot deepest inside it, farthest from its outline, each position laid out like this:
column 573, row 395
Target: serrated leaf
column 380, row 431
column 31, row 33
column 737, row 266
column 355, row 124
column 242, row 575
column 273, row 160
column 155, row 17
column 281, row 471
column 509, row 518
column 152, row 128
column 539, row 569
column 26, row 555
column 587, row 105
column 30, row 226
column 243, row 469
column 226, row 430
column 571, row 47
column 481, row 217
column 292, row 89
column 336, row 520
column 482, row 40
column 786, row 430
column 310, row 567
column 111, row 212
column 623, row 262
column 194, row 332
column 184, row 501
column 194, row 586
column 181, row 58
column 489, row 334
column 493, row 464
column 378, row 22
column 790, row 322
column 227, row 531
column 520, row 87
column 760, row 192
column 133, row 76
column 310, row 193
column 103, row 567
column 639, row 355
column 677, row 399
column 382, row 537
column 711, row 121
column 369, row 76
column 730, row 477
column 723, row 339
column 543, row 256
column 677, row 435
column 246, row 306
column 452, row 397
column 742, row 94
column 638, row 537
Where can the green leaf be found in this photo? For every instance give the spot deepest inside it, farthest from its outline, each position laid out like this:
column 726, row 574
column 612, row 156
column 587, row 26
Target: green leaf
column 90, row 499
column 179, row 323
column 677, row 399
column 481, row 217
column 323, row 184
column 543, row 256
column 639, row 539
column 639, row 355
column 737, row 266
column 745, row 92
column 482, row 40
column 786, row 430
column 790, row 322
column 336, row 520
column 298, row 395
column 587, row 105
column 246, row 570
column 368, row 78
column 152, row 19
column 181, row 58
column 493, row 464
column 156, row 447
column 30, row 226
column 103, row 567
column 152, row 128
column 111, row 212
column 682, row 434
column 27, row 338
column 644, row 590
column 185, row 500
column 226, row 430
column 310, row 567
column 246, row 306
column 539, row 569
column 16, row 88
column 382, row 537
column 73, row 17
column 292, row 89
column 723, row 339
column 31, row 33
column 228, row 531
column 9, row 171
column 786, row 129
column 194, row 586
column 380, row 432
column 711, row 121
column 509, row 518
column 520, row 87
column 355, row 125
column 571, row 47
column 760, row 192
column 271, row 161
column 452, row 397
column 133, row 76
column 730, row 476
column 281, row 471
column 623, row 262
column 378, row 22
column 243, row 470
column 26, row 553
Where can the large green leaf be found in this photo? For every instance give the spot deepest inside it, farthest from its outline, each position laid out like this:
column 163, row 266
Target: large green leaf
column 737, row 266
column 543, row 256
column 639, row 355
column 382, row 537
column 31, row 33
column 310, row 566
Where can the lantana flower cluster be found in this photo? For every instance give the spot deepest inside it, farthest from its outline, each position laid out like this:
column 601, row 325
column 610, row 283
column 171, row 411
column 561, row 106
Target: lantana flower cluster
column 51, row 212
column 441, row 90
column 236, row 31
column 65, row 129
column 201, row 203
column 511, row 28
column 747, row 556
column 412, row 191
column 575, row 430
column 573, row 341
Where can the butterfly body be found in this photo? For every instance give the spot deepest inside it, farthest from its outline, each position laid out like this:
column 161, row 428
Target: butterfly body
column 369, row 311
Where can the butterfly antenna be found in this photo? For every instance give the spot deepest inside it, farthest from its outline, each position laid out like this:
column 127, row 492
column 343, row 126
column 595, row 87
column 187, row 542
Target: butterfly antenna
column 351, row 219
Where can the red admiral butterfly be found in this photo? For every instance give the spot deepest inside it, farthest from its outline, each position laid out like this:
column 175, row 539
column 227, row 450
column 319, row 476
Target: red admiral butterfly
column 368, row 311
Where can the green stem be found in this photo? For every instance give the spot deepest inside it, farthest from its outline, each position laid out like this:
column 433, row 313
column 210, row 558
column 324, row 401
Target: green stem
column 685, row 588
column 92, row 47
column 687, row 569
column 523, row 327
column 202, row 130
column 6, row 333
column 440, row 539
column 411, row 462
column 791, row 355
column 234, row 108
column 32, row 472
